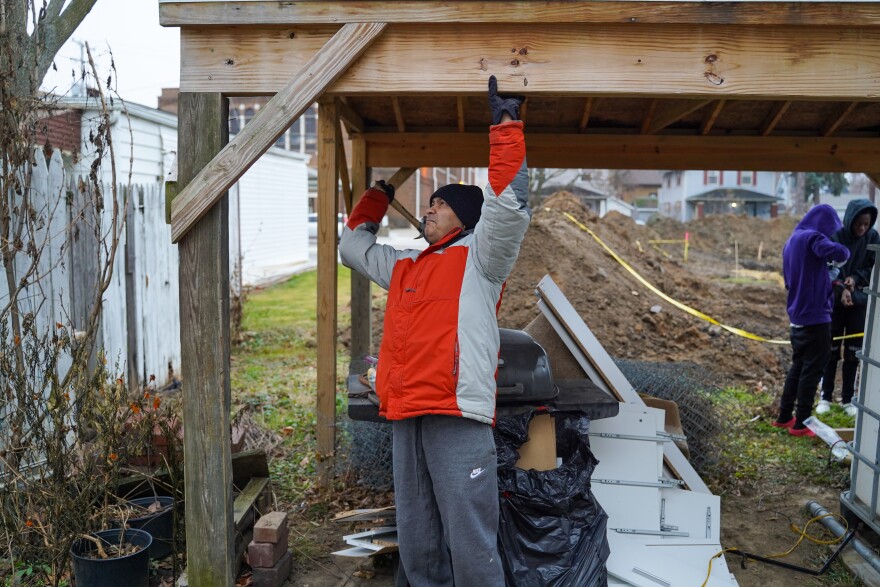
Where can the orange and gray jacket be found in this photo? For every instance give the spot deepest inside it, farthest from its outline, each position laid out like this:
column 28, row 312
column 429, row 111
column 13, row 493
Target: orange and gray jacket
column 439, row 349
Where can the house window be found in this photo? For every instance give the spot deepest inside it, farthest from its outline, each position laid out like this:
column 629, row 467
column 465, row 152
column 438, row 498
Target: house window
column 678, row 178
column 746, row 178
column 711, row 177
column 311, row 130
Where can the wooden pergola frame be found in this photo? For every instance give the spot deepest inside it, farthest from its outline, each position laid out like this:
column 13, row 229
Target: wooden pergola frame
column 789, row 86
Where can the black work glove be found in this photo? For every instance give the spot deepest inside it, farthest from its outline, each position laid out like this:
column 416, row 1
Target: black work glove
column 499, row 105
column 385, row 187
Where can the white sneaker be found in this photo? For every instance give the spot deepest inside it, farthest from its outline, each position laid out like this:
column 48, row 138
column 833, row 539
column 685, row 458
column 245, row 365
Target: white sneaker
column 850, row 410
column 824, row 407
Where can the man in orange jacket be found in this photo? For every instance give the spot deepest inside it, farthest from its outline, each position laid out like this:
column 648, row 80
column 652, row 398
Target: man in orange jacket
column 439, row 353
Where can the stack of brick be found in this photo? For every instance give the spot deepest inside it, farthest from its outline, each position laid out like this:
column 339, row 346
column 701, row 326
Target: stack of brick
column 267, row 553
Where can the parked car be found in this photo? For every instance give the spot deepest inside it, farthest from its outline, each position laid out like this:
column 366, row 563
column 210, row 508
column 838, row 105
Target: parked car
column 313, row 225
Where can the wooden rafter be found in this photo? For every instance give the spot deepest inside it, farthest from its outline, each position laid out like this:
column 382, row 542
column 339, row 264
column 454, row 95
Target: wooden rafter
column 773, row 117
column 572, row 150
column 342, row 165
column 343, row 49
column 562, row 59
column 712, row 115
column 835, row 121
column 398, row 114
column 585, row 115
column 349, row 117
column 673, row 112
column 459, row 107
column 648, row 116
column 245, row 12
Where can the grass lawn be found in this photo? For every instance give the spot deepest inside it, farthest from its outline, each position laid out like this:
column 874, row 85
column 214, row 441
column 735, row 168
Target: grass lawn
column 274, row 372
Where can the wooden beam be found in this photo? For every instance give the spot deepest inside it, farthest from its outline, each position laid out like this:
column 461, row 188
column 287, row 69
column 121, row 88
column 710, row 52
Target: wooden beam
column 459, row 104
column 686, row 61
column 398, row 115
column 248, row 12
column 585, row 116
column 874, row 176
column 204, row 352
column 711, row 116
column 273, row 120
column 523, row 109
column 594, row 151
column 773, row 117
column 835, row 121
column 342, row 165
column 648, row 116
column 328, row 197
column 352, row 119
column 673, row 112
column 361, row 302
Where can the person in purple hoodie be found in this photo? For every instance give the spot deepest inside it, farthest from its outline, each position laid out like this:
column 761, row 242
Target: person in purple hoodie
column 805, row 259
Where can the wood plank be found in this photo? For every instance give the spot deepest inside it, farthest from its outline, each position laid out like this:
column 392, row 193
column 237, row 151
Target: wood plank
column 247, row 465
column 774, row 153
column 352, row 119
column 361, row 305
column 711, row 116
column 398, row 115
column 773, row 117
column 342, row 165
column 204, row 342
column 459, row 106
column 835, row 121
column 686, row 61
column 246, row 501
column 328, row 198
column 648, row 116
column 273, row 120
column 592, row 352
column 585, row 116
column 132, row 315
column 246, row 12
column 673, row 112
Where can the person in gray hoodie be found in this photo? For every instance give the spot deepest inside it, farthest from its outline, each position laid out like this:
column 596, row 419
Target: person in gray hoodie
column 850, row 302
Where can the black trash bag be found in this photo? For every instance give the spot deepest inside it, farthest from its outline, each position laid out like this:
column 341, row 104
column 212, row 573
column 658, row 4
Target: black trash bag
column 552, row 531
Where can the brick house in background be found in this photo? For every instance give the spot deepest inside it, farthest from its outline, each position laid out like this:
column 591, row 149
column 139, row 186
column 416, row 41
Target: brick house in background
column 685, row 195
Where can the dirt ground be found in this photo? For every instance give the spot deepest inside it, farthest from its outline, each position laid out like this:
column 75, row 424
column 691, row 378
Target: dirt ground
column 731, row 274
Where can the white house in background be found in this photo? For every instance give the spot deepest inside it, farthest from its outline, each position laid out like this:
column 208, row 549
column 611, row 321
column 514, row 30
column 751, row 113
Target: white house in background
column 685, row 195
column 268, row 225
column 588, row 186
column 273, row 200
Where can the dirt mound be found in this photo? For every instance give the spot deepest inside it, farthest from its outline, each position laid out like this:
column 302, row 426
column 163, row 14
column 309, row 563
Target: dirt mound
column 634, row 323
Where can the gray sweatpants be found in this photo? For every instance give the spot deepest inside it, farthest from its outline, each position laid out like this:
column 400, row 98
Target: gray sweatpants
column 446, row 493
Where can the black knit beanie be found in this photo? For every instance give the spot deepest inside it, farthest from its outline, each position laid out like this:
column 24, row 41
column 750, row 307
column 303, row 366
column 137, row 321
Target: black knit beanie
column 465, row 200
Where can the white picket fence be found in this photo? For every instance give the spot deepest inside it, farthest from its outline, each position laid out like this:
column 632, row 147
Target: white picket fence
column 140, row 326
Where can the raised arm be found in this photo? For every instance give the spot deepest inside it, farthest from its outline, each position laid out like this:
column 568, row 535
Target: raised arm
column 358, row 248
column 505, row 215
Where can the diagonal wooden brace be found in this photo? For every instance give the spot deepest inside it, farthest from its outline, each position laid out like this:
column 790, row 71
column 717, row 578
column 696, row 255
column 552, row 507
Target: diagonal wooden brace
column 321, row 71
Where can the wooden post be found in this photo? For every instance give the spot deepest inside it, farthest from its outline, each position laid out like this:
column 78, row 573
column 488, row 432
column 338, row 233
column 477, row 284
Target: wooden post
column 328, row 198
column 204, row 341
column 361, row 310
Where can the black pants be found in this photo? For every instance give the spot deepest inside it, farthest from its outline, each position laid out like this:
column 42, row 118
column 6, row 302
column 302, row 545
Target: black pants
column 844, row 321
column 810, row 348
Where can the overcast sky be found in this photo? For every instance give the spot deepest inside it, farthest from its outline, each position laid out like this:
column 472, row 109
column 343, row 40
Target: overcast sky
column 147, row 56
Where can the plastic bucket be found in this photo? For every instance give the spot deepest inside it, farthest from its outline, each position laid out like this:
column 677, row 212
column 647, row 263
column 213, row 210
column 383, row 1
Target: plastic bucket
column 160, row 525
column 132, row 570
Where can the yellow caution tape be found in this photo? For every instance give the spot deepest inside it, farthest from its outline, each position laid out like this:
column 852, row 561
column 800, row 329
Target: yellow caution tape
column 676, row 303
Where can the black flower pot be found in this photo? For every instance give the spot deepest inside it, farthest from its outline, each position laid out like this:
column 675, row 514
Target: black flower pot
column 160, row 525
column 132, row 570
